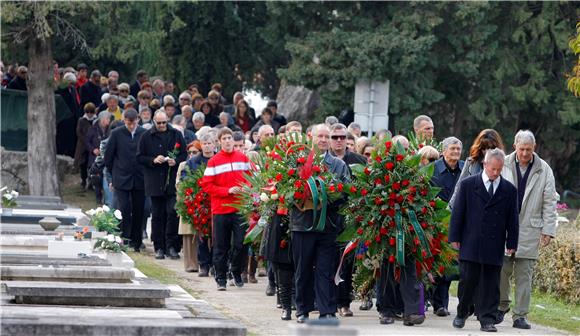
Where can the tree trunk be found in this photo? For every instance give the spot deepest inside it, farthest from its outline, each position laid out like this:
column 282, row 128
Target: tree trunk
column 42, row 168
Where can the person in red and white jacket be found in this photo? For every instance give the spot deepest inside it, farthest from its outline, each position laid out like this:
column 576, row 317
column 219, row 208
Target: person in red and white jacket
column 222, row 180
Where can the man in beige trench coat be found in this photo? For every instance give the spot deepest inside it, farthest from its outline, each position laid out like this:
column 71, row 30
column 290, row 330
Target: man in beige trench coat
column 537, row 198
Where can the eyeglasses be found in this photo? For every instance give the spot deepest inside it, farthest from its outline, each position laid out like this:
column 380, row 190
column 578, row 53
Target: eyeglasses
column 338, row 137
column 161, row 122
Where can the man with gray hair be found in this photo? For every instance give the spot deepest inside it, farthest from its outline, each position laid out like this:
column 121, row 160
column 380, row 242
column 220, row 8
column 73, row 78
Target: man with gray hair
column 91, row 91
column 331, row 120
column 423, row 127
column 484, row 226
column 264, row 132
column 537, row 198
column 446, row 173
column 355, row 129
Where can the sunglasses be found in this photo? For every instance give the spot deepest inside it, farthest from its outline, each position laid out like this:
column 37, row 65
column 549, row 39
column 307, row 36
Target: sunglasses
column 367, row 154
column 338, row 137
column 161, row 122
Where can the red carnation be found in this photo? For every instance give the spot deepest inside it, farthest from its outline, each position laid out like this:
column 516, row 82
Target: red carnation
column 392, row 224
column 392, row 241
column 177, row 145
column 367, row 243
column 340, row 187
column 297, row 184
column 378, row 238
column 291, row 171
column 378, row 181
column 378, row 159
column 367, row 171
column 378, row 200
column 400, row 199
column 399, row 157
column 359, row 231
column 416, row 241
column 281, row 199
column 364, row 192
column 283, row 244
column 190, row 211
column 383, row 231
column 387, row 178
column 359, row 218
column 412, row 190
column 423, row 225
column 410, row 199
column 424, row 210
column 389, row 166
column 411, row 228
column 298, row 195
column 405, row 183
column 278, row 177
column 432, row 204
column 391, row 212
column 332, row 188
column 392, row 196
column 441, row 269
column 424, row 192
column 301, row 160
column 383, row 212
column 421, row 145
column 388, row 144
column 392, row 259
column 371, row 222
column 353, row 189
column 188, row 191
column 396, row 186
column 316, row 169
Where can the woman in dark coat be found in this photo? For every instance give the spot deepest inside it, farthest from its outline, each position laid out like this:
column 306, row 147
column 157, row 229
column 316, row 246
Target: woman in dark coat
column 279, row 252
column 81, row 154
column 98, row 132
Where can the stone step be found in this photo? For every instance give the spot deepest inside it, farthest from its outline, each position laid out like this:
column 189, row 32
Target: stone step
column 87, row 294
column 14, row 324
column 68, row 274
column 44, row 260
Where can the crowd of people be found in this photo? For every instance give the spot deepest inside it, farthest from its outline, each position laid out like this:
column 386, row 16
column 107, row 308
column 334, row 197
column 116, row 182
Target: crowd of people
column 135, row 140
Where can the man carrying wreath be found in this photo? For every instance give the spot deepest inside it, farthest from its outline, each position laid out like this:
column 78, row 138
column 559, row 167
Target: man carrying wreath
column 222, row 180
column 315, row 253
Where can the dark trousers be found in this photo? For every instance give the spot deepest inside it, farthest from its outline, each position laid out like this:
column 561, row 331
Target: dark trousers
column 271, row 275
column 228, row 234
column 146, row 213
column 97, row 182
column 204, row 253
column 394, row 297
column 285, row 275
column 345, row 287
column 131, row 203
column 164, row 223
column 83, row 167
column 315, row 263
column 439, row 294
column 479, row 285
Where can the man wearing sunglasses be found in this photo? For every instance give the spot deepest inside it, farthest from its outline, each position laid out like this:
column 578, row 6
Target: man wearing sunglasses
column 153, row 153
column 338, row 148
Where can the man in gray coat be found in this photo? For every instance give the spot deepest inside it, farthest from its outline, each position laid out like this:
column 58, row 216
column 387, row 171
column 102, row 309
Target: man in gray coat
column 537, row 198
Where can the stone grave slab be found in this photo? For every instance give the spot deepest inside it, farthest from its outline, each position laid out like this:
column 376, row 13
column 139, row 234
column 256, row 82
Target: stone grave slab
column 44, row 260
column 68, row 247
column 102, row 274
column 40, row 202
column 87, row 294
column 68, row 216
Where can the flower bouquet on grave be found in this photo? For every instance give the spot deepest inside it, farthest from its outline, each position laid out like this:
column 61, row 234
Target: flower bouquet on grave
column 79, row 233
column 193, row 203
column 9, row 198
column 105, row 219
column 172, row 154
column 110, row 243
column 393, row 213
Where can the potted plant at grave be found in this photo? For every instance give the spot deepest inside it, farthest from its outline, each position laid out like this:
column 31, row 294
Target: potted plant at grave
column 113, row 247
column 105, row 219
column 8, row 200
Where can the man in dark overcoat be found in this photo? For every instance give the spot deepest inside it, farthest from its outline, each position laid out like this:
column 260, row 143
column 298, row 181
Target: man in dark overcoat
column 315, row 253
column 484, row 226
column 153, row 152
column 128, row 182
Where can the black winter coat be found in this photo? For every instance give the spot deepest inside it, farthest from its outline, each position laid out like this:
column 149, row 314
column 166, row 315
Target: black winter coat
column 276, row 231
column 90, row 93
column 152, row 144
column 121, row 159
column 484, row 226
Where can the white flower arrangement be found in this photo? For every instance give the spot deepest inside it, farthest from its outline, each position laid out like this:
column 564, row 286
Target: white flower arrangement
column 111, row 243
column 105, row 219
column 9, row 197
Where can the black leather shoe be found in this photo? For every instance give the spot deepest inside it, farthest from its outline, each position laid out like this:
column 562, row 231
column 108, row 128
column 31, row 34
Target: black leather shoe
column 500, row 315
column 411, row 320
column 173, row 254
column 302, row 318
column 442, row 312
column 238, row 281
column 328, row 317
column 383, row 319
column 488, row 328
column 160, row 254
column 521, row 323
column 221, row 287
column 136, row 250
column 270, row 290
column 459, row 322
column 203, row 272
column 286, row 314
column 367, row 304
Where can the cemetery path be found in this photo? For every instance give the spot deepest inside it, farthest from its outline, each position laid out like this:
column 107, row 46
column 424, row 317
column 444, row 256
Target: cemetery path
column 259, row 314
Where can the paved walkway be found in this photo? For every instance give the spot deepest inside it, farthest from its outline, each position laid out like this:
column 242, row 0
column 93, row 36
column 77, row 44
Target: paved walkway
column 258, row 312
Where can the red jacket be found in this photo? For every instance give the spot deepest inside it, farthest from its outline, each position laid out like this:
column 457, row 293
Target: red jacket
column 223, row 171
